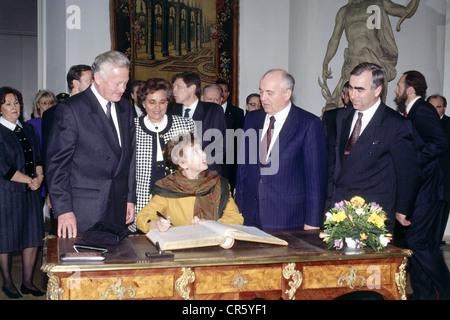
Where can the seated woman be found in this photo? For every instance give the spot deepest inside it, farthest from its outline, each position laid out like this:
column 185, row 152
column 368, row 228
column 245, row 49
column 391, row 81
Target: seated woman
column 191, row 194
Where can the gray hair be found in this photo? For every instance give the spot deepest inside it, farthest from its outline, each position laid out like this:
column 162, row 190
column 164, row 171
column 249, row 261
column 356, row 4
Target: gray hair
column 287, row 80
column 114, row 58
column 213, row 86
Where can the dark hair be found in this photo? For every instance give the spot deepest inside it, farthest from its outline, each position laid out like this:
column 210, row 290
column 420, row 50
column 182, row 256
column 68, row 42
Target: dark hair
column 251, row 96
column 8, row 90
column 378, row 74
column 135, row 84
column 75, row 74
column 151, row 86
column 417, row 81
column 173, row 158
column 436, row 96
column 190, row 79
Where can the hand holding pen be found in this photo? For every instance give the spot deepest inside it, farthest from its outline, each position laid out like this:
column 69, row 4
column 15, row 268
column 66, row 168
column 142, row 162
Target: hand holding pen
column 163, row 223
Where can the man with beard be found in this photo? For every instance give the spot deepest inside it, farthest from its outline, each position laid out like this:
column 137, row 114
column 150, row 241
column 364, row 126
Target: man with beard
column 427, row 267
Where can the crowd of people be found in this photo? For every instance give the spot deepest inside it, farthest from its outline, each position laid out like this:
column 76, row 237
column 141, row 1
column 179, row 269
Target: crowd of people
column 167, row 159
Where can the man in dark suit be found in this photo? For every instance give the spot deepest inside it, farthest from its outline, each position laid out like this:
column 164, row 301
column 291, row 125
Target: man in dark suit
column 79, row 78
column 284, row 188
column 208, row 117
column 329, row 125
column 428, row 271
column 440, row 104
column 374, row 155
column 91, row 150
column 234, row 118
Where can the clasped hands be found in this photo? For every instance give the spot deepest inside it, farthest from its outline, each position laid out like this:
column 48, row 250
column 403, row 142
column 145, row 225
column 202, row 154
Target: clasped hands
column 35, row 183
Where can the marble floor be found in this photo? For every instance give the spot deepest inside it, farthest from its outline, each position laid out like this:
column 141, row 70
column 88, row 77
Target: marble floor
column 40, row 278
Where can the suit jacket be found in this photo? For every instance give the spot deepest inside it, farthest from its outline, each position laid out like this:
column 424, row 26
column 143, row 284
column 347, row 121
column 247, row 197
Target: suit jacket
column 208, row 116
column 430, row 143
column 87, row 171
column 234, row 118
column 290, row 192
column 446, row 158
column 381, row 166
column 12, row 157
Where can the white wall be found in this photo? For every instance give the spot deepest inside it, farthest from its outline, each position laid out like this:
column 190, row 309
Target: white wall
column 66, row 46
column 18, row 49
column 264, row 42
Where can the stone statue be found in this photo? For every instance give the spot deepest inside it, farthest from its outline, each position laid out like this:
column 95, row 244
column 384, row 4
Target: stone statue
column 370, row 39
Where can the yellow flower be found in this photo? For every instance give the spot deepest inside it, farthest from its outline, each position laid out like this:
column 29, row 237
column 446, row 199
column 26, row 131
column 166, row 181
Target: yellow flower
column 377, row 220
column 357, row 202
column 339, row 216
column 364, row 236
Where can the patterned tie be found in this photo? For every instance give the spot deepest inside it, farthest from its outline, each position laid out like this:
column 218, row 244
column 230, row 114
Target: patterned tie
column 186, row 113
column 355, row 135
column 265, row 143
column 270, row 131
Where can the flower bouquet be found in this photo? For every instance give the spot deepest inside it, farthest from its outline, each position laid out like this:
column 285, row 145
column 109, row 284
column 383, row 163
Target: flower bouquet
column 357, row 223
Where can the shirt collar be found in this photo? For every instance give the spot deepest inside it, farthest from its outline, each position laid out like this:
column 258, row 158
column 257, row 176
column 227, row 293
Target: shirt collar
column 410, row 105
column 368, row 113
column 156, row 127
column 281, row 115
column 11, row 126
column 100, row 99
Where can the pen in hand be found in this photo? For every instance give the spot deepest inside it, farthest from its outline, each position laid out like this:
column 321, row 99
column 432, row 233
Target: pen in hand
column 162, row 216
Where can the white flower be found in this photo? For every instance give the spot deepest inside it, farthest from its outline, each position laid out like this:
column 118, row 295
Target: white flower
column 384, row 240
column 359, row 211
column 328, row 215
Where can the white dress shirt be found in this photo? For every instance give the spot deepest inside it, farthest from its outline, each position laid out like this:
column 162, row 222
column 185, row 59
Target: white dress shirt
column 367, row 116
column 280, row 119
column 191, row 109
column 103, row 102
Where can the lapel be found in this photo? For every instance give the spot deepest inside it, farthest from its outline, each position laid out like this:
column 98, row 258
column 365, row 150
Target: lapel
column 97, row 115
column 367, row 137
column 289, row 128
column 345, row 133
column 199, row 113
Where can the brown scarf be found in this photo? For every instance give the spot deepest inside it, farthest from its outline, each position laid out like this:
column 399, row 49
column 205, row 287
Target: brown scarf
column 206, row 189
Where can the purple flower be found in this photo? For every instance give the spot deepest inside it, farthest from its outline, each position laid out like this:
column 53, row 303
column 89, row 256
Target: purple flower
column 338, row 244
column 339, row 205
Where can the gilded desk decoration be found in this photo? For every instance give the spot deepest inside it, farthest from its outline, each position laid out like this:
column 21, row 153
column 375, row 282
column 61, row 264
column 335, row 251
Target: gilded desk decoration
column 181, row 285
column 297, row 279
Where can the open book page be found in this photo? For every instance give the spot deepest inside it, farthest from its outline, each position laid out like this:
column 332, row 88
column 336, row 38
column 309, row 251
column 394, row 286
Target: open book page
column 186, row 237
column 246, row 233
column 208, row 234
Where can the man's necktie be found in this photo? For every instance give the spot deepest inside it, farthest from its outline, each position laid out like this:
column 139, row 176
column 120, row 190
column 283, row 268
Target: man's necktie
column 186, row 113
column 270, row 132
column 265, row 143
column 355, row 135
column 109, row 116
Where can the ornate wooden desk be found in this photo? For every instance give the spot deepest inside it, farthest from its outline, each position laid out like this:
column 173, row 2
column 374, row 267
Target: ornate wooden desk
column 305, row 269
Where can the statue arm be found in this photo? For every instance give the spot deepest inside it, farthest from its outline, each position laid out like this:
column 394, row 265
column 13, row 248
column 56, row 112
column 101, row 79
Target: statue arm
column 399, row 10
column 333, row 43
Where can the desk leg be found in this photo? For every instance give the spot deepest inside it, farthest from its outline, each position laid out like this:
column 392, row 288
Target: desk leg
column 400, row 279
column 182, row 283
column 54, row 289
